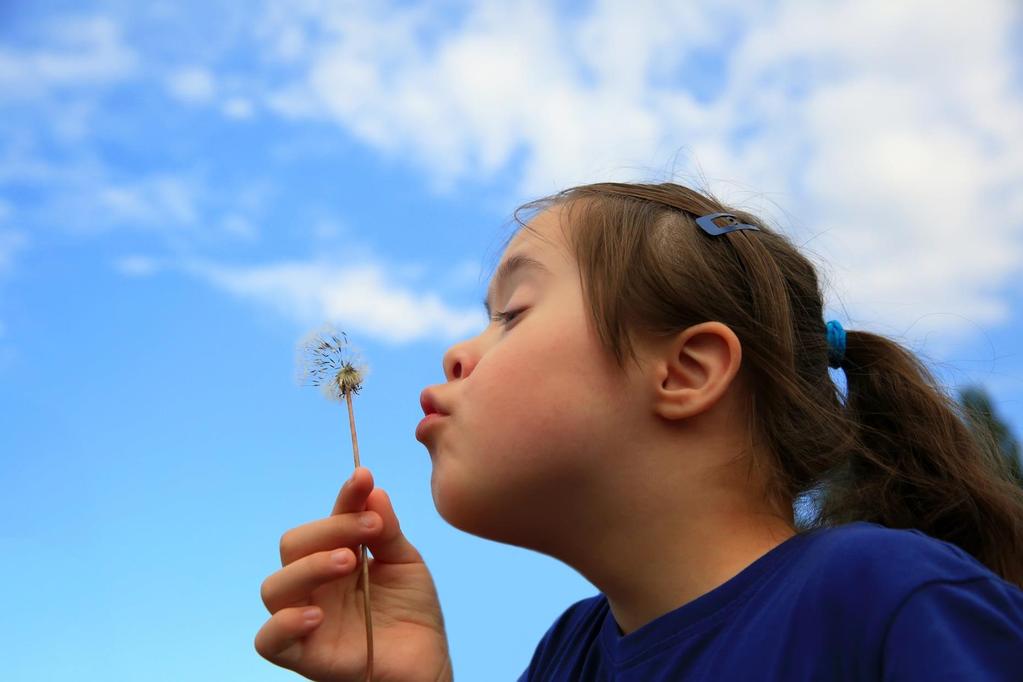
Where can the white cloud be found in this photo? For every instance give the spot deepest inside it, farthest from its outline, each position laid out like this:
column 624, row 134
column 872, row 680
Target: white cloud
column 193, row 85
column 903, row 132
column 885, row 129
column 511, row 75
column 84, row 53
column 363, row 298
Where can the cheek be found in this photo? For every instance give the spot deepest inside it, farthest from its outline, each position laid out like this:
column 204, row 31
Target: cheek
column 511, row 404
column 534, row 395
column 532, row 411
column 532, row 424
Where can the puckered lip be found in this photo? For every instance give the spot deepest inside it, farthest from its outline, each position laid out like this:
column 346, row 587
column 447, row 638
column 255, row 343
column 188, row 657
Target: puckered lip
column 430, row 404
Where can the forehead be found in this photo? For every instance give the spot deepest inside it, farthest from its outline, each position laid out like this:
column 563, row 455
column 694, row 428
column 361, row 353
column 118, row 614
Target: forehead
column 540, row 247
column 545, row 235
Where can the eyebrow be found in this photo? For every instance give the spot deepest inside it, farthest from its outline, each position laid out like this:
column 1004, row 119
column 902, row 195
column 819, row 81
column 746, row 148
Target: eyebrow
column 506, row 269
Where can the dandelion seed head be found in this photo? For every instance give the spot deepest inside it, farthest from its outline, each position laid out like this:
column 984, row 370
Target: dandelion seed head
column 326, row 359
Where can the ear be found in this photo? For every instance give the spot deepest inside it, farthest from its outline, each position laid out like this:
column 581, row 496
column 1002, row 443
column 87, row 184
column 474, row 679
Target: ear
column 695, row 369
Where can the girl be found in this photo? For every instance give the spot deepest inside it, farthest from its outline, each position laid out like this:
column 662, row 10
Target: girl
column 649, row 403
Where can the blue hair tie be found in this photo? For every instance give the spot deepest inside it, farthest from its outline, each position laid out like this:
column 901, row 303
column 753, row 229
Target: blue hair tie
column 836, row 344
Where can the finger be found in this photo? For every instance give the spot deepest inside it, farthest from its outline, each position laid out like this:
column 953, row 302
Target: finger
column 389, row 544
column 280, row 639
column 293, row 585
column 352, row 496
column 344, row 530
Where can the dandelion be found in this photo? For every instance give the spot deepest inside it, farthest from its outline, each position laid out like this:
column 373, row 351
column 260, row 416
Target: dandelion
column 327, row 360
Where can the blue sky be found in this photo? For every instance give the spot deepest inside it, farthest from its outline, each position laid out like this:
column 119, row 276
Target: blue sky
column 187, row 188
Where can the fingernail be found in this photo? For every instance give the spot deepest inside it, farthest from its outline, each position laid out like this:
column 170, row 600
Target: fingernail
column 367, row 520
column 311, row 615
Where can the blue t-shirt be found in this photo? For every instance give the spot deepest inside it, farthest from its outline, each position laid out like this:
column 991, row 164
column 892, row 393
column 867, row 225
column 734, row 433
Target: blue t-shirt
column 854, row 602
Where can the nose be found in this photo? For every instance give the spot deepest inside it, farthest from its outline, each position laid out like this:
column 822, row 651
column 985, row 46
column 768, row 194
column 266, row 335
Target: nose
column 460, row 360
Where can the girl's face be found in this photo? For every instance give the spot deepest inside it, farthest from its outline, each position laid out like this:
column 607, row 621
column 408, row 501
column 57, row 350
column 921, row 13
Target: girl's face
column 535, row 407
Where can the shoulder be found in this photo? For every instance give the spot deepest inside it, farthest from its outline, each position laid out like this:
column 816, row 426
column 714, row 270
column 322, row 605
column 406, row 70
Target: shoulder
column 578, row 624
column 865, row 571
column 903, row 558
column 584, row 614
column 969, row 629
column 904, row 595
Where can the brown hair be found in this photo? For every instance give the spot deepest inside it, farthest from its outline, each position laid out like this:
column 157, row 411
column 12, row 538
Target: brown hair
column 894, row 450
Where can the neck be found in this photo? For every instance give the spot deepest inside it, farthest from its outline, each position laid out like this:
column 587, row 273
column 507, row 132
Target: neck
column 662, row 540
column 670, row 565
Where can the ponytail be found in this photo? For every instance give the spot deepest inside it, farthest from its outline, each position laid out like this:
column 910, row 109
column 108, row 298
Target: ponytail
column 918, row 464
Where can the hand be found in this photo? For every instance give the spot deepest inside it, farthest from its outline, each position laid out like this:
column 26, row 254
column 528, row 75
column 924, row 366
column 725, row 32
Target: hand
column 409, row 640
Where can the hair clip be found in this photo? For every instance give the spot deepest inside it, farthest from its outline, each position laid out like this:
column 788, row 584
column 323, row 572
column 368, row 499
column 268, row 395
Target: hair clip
column 715, row 224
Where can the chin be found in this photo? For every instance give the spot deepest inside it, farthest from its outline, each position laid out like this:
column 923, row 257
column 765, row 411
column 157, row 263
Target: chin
column 470, row 505
column 455, row 499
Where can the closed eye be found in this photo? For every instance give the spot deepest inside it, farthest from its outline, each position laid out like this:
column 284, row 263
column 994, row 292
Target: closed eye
column 506, row 317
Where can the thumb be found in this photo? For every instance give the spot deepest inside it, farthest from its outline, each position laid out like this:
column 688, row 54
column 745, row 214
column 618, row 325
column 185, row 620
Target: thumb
column 390, row 544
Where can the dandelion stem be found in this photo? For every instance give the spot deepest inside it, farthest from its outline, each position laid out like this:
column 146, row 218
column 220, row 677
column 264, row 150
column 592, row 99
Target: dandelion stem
column 362, row 552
